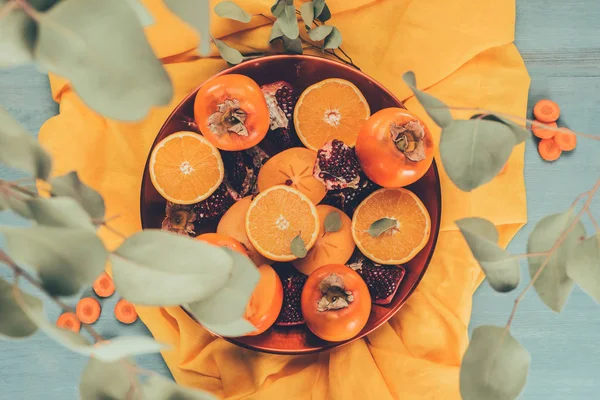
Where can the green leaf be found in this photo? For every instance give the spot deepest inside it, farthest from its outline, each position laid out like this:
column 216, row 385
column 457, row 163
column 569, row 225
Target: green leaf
column 333, row 40
column 239, row 327
column 502, row 269
column 292, row 46
column 160, row 388
column 63, row 212
column 520, row 132
column 195, row 13
column 17, row 205
column 320, row 32
column 288, row 23
column 325, row 15
column 65, row 258
column 229, row 54
column 19, row 149
column 298, row 247
column 228, row 9
column 553, row 285
column 381, row 225
column 14, row 322
column 109, row 62
column 333, row 222
column 228, row 304
column 160, row 268
column 278, row 9
column 276, row 32
column 307, row 11
column 141, row 12
column 319, row 7
column 474, row 151
column 583, row 266
column 437, row 110
column 494, row 367
column 125, row 346
column 106, row 381
column 70, row 185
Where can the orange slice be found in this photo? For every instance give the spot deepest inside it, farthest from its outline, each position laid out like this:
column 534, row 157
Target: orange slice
column 401, row 242
column 334, row 247
column 276, row 216
column 185, row 168
column 293, row 167
column 331, row 109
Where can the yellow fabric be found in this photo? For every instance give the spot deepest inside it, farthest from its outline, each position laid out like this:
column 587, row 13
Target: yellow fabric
column 462, row 52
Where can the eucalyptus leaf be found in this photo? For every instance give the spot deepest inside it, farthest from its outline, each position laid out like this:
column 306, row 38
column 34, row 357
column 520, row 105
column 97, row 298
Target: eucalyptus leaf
column 325, row 15
column 319, row 7
column 160, row 268
column 160, row 388
column 228, row 303
column 288, row 23
column 17, row 204
column 239, row 327
column 228, row 9
column 142, row 13
column 333, row 40
column 380, row 226
column 474, row 151
column 70, row 185
column 21, row 150
column 63, row 212
column 292, row 46
column 195, row 13
column 520, row 132
column 494, row 367
column 229, row 54
column 65, row 258
column 106, row 381
column 553, row 284
column 14, row 322
column 276, row 32
column 437, row 110
column 278, row 9
column 125, row 346
column 298, row 248
column 502, row 269
column 307, row 11
column 320, row 32
column 333, row 222
column 109, row 62
column 583, row 266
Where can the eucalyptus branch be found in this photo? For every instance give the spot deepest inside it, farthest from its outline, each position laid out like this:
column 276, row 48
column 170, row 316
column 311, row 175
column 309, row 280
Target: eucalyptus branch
column 7, row 8
column 529, row 255
column 29, row 9
column 594, row 222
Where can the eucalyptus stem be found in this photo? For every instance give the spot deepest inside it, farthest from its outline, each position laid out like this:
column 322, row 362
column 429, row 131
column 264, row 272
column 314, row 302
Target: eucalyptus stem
column 29, row 10
column 7, row 8
column 594, row 222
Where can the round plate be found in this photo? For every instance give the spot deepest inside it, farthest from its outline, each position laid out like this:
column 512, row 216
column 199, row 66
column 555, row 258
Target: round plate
column 303, row 71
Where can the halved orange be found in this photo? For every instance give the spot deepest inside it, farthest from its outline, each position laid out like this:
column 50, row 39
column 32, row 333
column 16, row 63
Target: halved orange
column 331, row 109
column 276, row 216
column 403, row 241
column 293, row 167
column 185, row 168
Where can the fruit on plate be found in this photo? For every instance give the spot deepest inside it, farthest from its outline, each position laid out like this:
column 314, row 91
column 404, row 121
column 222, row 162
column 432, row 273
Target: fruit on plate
column 383, row 281
column 281, row 99
column 266, row 300
column 231, row 112
column 291, row 310
column 294, row 168
column 221, row 240
column 335, row 303
column 335, row 244
column 279, row 219
column 394, row 147
column 241, row 169
column 185, row 168
column 331, row 109
column 391, row 226
column 233, row 224
column 349, row 198
column 337, row 166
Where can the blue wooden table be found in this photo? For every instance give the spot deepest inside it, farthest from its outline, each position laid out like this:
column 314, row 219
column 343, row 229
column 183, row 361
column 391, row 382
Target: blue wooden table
column 560, row 41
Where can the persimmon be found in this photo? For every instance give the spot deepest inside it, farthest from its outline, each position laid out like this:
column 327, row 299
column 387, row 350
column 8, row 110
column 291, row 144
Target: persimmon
column 69, row 321
column 546, row 111
column 221, row 240
column 394, row 148
column 266, row 301
column 231, row 112
column 335, row 302
column 88, row 310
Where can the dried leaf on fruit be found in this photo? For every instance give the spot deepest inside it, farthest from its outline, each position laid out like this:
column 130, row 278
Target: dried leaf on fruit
column 381, row 225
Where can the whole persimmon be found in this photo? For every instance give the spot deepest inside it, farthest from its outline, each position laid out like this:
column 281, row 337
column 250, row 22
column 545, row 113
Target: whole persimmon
column 394, row 148
column 231, row 112
column 335, row 302
column 218, row 239
column 266, row 301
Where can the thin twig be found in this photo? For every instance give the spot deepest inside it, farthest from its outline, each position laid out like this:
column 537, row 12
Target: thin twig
column 113, row 230
column 529, row 255
column 594, row 222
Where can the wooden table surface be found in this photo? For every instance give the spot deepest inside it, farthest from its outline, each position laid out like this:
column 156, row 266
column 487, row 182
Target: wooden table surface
column 560, row 42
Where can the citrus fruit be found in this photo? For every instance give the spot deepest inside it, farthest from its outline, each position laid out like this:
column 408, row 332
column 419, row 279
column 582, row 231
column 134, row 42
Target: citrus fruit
column 293, row 167
column 333, row 247
column 276, row 217
column 331, row 109
column 185, row 168
column 404, row 239
column 266, row 301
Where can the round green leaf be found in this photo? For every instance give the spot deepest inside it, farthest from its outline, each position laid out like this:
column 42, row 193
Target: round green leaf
column 278, row 9
column 141, row 12
column 494, row 367
column 292, row 46
column 160, row 268
column 319, row 7
column 228, row 9
column 325, row 15
column 554, row 285
column 17, row 205
column 333, row 222
column 70, row 185
column 65, row 258
column 320, row 32
column 583, row 266
column 307, row 11
column 196, row 14
column 520, row 132
column 438, row 111
column 161, row 388
column 17, row 36
column 288, row 23
column 380, row 226
column 14, row 322
column 276, row 32
column 60, row 212
column 333, row 40
column 101, row 380
column 481, row 227
column 229, row 54
column 125, row 346
column 474, row 151
column 298, row 248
